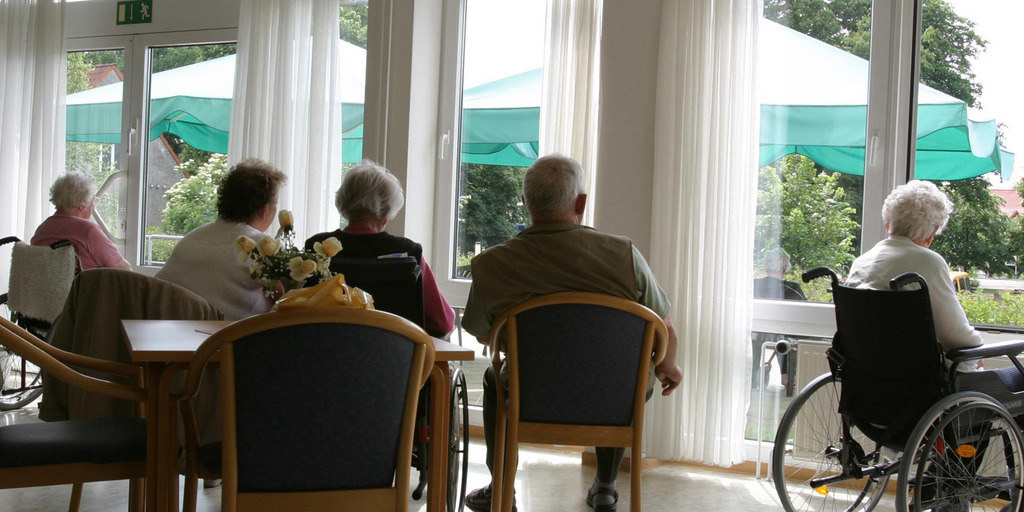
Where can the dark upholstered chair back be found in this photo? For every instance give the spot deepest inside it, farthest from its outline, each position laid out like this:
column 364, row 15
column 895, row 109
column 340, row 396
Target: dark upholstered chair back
column 578, row 369
column 342, row 419
column 578, row 364
column 888, row 357
column 396, row 284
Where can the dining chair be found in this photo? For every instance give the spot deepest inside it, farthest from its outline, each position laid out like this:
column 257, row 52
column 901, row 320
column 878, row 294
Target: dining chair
column 90, row 325
column 338, row 434
column 578, row 367
column 75, row 451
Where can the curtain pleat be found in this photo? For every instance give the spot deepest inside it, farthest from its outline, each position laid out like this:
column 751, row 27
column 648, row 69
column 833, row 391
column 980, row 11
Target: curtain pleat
column 286, row 110
column 570, row 85
column 705, row 184
column 33, row 80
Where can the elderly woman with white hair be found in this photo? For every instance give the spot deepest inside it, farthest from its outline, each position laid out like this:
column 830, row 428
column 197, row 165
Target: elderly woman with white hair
column 914, row 214
column 74, row 195
column 369, row 197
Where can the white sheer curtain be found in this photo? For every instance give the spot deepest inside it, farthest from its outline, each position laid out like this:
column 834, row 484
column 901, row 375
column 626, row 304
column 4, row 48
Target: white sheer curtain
column 705, row 184
column 569, row 91
column 32, row 85
column 286, row 110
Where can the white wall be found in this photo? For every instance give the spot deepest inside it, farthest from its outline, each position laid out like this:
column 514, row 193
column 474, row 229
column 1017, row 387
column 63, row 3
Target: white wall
column 625, row 158
column 99, row 17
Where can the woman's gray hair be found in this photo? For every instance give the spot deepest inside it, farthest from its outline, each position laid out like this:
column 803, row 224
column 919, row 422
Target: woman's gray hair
column 551, row 186
column 916, row 210
column 369, row 190
column 777, row 261
column 72, row 190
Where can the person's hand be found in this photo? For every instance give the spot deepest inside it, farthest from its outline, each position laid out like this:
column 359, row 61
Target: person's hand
column 670, row 375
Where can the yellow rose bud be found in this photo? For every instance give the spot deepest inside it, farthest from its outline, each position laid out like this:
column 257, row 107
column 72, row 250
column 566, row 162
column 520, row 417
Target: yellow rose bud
column 331, row 247
column 245, row 244
column 300, row 269
column 269, row 246
column 284, row 217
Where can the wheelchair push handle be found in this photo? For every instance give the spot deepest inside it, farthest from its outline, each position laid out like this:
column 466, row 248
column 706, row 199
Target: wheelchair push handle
column 9, row 239
column 907, row 278
column 817, row 272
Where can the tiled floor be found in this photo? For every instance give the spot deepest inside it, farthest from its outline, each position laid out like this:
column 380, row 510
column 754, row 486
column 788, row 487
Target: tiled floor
column 548, row 480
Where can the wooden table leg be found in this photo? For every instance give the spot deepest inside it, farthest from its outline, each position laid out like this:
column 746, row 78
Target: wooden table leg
column 161, row 439
column 153, row 372
column 437, row 472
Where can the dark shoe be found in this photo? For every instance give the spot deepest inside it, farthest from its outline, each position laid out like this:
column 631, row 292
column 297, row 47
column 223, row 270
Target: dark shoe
column 480, row 500
column 209, row 483
column 602, row 499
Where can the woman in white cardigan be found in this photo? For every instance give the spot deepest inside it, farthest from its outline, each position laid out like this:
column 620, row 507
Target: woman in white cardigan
column 914, row 214
column 206, row 260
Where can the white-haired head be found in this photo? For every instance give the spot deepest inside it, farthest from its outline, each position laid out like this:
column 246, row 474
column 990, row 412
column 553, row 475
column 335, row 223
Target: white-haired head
column 369, row 192
column 72, row 191
column 777, row 262
column 916, row 210
column 551, row 186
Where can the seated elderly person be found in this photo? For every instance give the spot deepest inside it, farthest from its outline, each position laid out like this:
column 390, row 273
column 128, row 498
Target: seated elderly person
column 774, row 286
column 206, row 260
column 369, row 197
column 914, row 214
column 74, row 196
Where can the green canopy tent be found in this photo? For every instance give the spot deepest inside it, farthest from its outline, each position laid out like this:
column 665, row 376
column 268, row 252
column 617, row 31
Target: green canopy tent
column 194, row 103
column 813, row 102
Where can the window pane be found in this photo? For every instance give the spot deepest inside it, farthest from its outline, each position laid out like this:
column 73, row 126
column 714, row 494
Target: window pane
column 500, row 121
column 190, row 92
column 813, row 88
column 970, row 119
column 93, row 127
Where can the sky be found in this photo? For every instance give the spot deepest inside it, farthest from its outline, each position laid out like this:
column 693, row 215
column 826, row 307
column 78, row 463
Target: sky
column 502, row 39
column 1000, row 69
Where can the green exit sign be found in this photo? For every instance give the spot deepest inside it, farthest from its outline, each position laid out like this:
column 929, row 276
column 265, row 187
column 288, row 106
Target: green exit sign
column 134, row 11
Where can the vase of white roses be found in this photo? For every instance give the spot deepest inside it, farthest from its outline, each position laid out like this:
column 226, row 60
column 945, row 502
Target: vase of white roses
column 277, row 262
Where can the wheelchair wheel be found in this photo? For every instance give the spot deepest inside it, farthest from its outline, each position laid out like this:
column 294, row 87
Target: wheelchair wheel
column 22, row 380
column 965, row 454
column 458, row 442
column 809, row 446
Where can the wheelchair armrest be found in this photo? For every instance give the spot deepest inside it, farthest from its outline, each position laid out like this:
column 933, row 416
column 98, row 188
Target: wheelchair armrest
column 999, row 348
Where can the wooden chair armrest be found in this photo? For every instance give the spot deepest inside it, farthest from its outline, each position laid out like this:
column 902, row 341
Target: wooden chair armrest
column 32, row 349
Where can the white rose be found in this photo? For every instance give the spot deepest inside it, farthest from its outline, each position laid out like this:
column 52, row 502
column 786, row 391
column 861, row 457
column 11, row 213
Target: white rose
column 269, row 246
column 284, row 217
column 300, row 269
column 331, row 247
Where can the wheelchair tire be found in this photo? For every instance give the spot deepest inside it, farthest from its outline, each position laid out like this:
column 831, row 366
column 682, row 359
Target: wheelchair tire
column 966, row 453
column 458, row 442
column 809, row 440
column 22, row 381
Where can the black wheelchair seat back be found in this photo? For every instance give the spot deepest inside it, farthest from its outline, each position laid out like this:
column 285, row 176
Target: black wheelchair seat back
column 396, row 284
column 888, row 358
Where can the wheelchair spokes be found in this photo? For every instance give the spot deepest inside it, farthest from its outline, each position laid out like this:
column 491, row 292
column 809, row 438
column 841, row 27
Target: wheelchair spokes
column 21, row 380
column 813, row 468
column 969, row 460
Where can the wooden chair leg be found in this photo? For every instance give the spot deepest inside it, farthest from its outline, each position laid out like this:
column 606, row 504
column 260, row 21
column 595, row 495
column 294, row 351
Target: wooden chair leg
column 500, row 446
column 137, row 494
column 76, row 497
column 508, row 487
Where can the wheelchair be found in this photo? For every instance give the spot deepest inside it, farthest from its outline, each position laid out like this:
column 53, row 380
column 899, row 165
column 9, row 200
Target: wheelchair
column 21, row 380
column 892, row 406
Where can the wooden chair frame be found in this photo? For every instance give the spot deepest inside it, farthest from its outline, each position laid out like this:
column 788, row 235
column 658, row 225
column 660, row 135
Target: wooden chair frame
column 389, row 498
column 61, row 365
column 510, row 430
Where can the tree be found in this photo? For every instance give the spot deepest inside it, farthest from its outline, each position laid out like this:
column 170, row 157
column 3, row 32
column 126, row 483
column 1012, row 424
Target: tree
column 192, row 201
column 805, row 209
column 977, row 235
column 490, row 205
column 353, row 21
